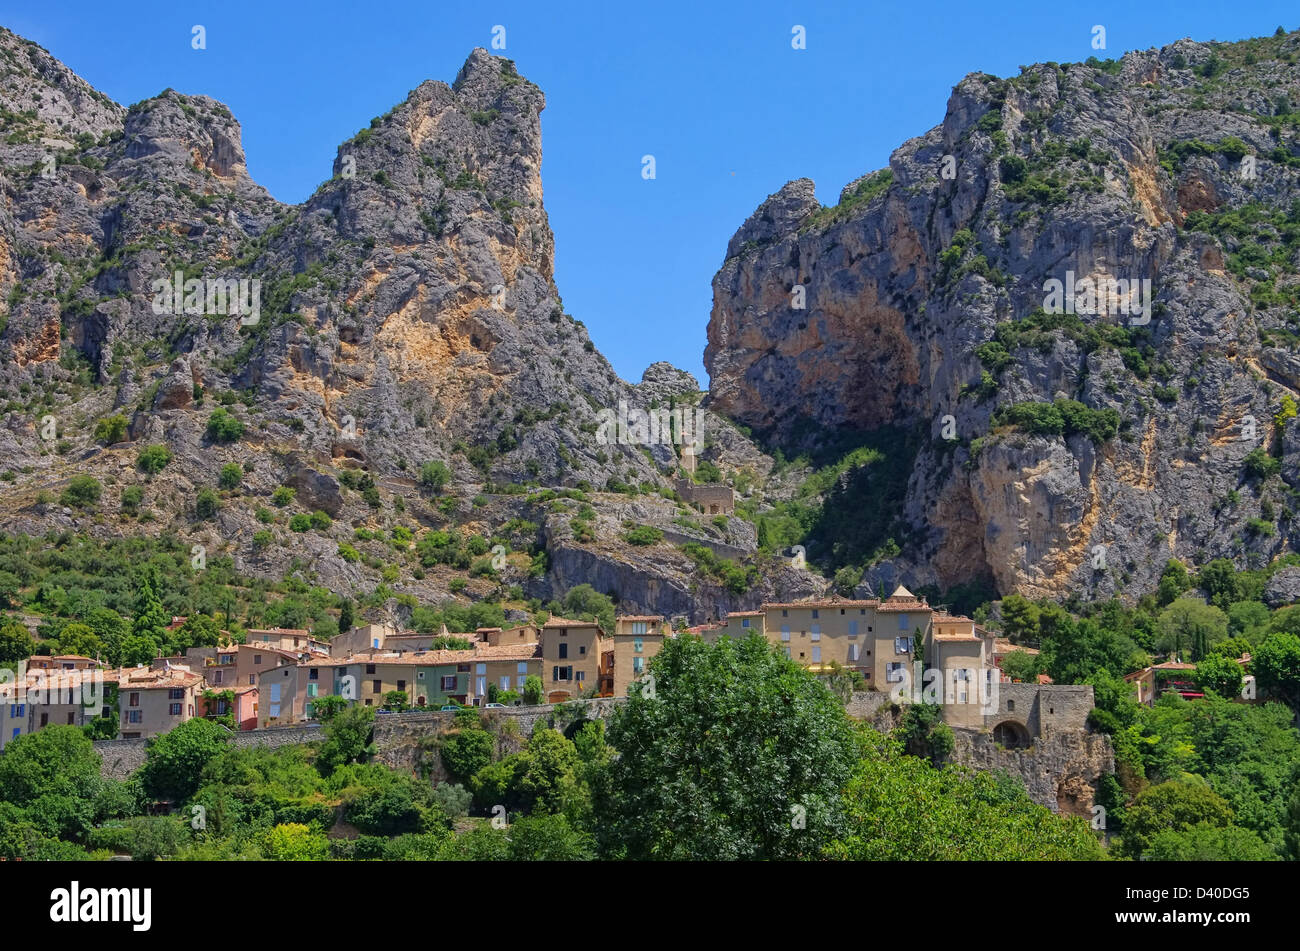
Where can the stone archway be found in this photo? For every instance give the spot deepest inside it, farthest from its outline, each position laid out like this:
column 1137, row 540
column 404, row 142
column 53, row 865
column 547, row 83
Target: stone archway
column 1011, row 735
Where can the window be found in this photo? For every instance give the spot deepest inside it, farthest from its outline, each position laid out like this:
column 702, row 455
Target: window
column 638, row 664
column 419, row 675
column 45, row 718
column 902, row 645
column 638, row 627
column 216, row 676
column 401, row 685
column 370, row 668
column 787, row 653
column 462, row 668
column 275, row 710
column 175, row 694
column 482, row 686
column 902, row 622
column 71, row 718
column 313, row 673
column 1011, row 706
column 135, row 716
column 564, row 651
column 581, row 676
column 376, row 686
column 311, row 690
column 257, row 658
column 134, row 701
column 638, row 646
column 252, row 678
column 582, row 649
column 841, row 611
column 785, row 632
column 503, row 683
column 744, row 622
column 447, row 683
column 784, row 613
column 893, row 672
column 816, row 614
column 174, row 709
column 853, row 629
column 816, row 632
column 853, row 651
column 817, row 655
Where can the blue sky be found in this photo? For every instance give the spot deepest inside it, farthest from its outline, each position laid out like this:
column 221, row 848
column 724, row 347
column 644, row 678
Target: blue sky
column 729, row 110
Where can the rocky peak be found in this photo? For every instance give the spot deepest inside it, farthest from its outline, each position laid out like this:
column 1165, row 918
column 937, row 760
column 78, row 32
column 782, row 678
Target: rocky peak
column 777, row 215
column 186, row 132
column 38, row 90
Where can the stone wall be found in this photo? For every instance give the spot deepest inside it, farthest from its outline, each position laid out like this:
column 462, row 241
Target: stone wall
column 398, row 736
column 123, row 757
column 707, row 496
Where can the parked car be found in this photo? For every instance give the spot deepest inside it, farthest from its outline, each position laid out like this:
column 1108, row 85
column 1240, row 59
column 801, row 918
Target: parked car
column 449, row 706
column 497, row 706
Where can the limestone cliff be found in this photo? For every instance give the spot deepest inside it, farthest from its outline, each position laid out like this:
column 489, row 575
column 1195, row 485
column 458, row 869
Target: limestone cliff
column 921, row 301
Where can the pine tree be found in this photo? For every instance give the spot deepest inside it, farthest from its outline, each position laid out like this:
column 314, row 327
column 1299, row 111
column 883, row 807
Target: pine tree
column 345, row 616
column 150, row 619
column 764, row 535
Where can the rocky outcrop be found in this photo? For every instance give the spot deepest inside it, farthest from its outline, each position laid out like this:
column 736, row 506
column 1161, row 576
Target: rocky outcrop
column 919, row 302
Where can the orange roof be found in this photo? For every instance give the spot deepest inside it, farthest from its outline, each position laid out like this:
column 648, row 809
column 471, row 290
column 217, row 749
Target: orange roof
column 821, row 603
column 566, row 622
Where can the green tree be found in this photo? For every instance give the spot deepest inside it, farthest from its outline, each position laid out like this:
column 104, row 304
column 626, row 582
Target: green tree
column 1276, row 665
column 1176, row 805
column 901, row 808
column 81, row 492
column 111, row 429
column 294, row 842
column 232, row 474
column 223, row 427
column 347, row 738
column 737, row 753
column 16, row 643
column 532, row 690
column 174, row 760
column 465, row 752
column 1020, row 619
column 326, row 708
column 1220, row 674
column 79, row 639
column 153, row 459
column 1190, row 627
column 206, row 503
column 1207, row 842
column 434, row 476
column 1022, row 666
column 150, row 621
column 53, row 776
column 586, row 603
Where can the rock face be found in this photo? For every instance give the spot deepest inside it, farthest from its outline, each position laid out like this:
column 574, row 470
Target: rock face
column 921, row 301
column 405, row 313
